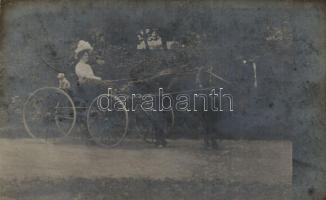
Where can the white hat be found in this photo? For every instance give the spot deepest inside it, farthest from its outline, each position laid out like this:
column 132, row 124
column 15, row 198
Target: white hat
column 83, row 45
column 60, row 75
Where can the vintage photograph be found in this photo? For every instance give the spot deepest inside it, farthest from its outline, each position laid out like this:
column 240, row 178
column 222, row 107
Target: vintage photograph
column 162, row 100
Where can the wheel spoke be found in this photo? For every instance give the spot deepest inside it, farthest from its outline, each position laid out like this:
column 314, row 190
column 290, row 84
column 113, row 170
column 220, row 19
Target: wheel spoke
column 41, row 114
column 65, row 117
column 106, row 128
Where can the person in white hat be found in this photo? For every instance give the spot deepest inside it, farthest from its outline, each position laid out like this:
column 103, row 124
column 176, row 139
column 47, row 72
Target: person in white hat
column 83, row 70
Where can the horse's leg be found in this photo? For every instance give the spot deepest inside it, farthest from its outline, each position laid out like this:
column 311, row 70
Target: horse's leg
column 213, row 139
column 206, row 132
column 212, row 133
column 159, row 132
column 206, row 136
column 159, row 137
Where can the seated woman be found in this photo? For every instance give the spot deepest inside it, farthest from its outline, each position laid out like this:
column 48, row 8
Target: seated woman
column 83, row 70
column 90, row 84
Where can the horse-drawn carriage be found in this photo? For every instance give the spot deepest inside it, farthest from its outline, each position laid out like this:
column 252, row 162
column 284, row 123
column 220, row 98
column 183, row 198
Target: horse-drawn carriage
column 50, row 112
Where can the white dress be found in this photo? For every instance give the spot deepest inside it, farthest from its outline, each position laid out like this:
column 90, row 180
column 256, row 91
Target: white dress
column 84, row 71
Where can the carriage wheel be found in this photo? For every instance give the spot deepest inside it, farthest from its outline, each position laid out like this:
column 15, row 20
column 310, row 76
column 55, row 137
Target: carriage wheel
column 49, row 112
column 144, row 125
column 107, row 127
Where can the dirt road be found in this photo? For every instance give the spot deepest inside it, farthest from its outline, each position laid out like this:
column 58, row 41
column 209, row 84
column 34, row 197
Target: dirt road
column 235, row 161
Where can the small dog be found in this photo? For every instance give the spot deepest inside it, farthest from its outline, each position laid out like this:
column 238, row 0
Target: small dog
column 64, row 84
